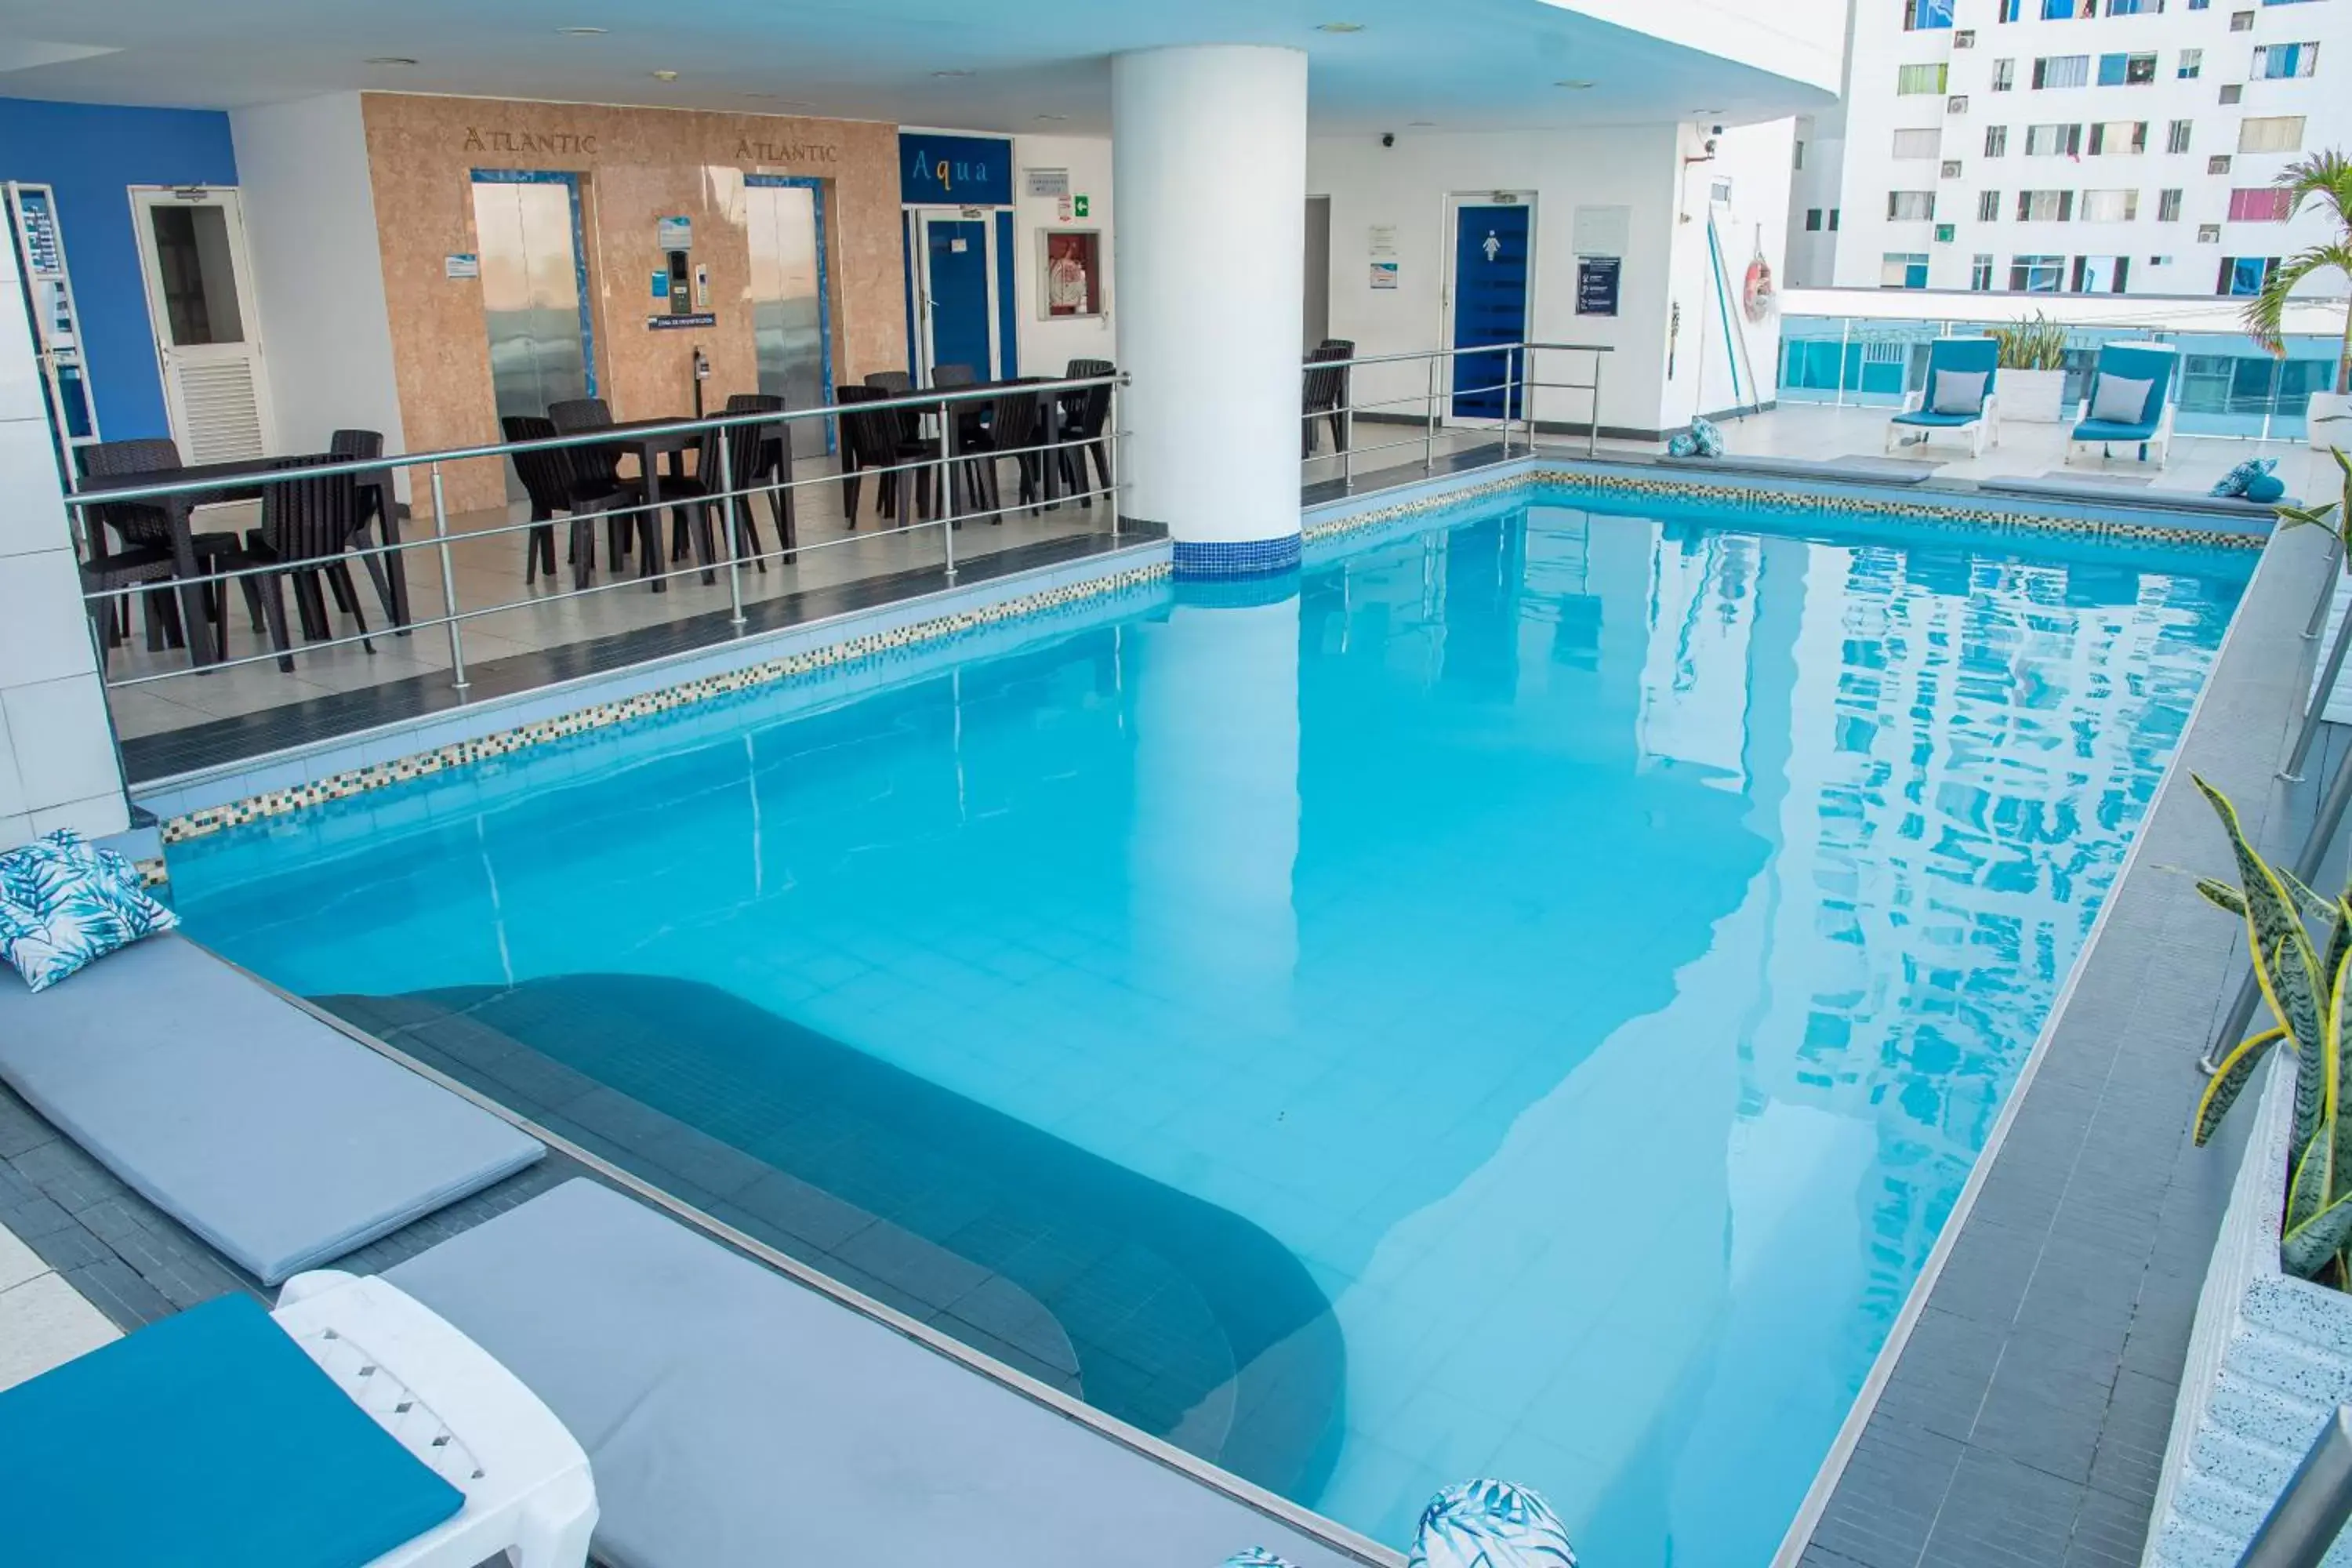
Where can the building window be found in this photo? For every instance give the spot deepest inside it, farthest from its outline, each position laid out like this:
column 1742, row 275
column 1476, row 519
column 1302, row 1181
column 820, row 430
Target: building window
column 2176, row 136
column 2270, row 133
column 2273, row 61
column 2117, row 138
column 1917, row 143
column 2260, row 203
column 1812, row 220
column 1910, row 206
column 2159, row 261
column 1950, row 171
column 2168, row 205
column 1918, row 14
column 2061, row 70
column 2241, row 21
column 1833, row 220
column 2101, row 273
column 2044, row 206
column 2231, row 92
column 2059, row 10
column 1911, row 80
column 1946, row 233
column 2004, row 75
column 2245, row 274
column 1987, row 206
column 2053, row 141
column 1903, row 270
column 2109, row 206
column 2192, row 64
column 2200, row 4
column 2133, row 7
column 2126, row 70
column 2036, row 274
column 1981, row 274
column 1797, row 157
column 1996, row 141
column 2209, row 234
column 2218, row 163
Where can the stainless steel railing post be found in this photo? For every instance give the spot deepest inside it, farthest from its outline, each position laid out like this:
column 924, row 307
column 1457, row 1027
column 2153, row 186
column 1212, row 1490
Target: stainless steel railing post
column 2319, row 696
column 947, row 496
column 1429, row 419
column 727, row 527
column 1111, row 478
column 2312, row 1509
column 1346, row 429
column 1592, row 431
column 449, row 583
column 2327, row 587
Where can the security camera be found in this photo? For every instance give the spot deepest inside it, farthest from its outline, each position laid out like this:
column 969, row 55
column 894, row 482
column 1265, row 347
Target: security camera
column 1388, row 138
column 1714, row 130
column 1710, row 146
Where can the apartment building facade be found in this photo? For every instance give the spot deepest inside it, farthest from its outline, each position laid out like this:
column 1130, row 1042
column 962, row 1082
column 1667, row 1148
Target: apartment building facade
column 2070, row 146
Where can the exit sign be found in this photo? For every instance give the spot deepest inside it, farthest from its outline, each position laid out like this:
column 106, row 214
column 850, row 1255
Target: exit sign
column 1079, row 206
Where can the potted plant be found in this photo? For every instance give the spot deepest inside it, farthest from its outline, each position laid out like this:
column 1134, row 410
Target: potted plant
column 2033, row 370
column 2324, row 178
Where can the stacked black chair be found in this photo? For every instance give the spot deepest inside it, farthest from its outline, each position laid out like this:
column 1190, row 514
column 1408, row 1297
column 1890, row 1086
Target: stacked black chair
column 144, row 531
column 761, row 456
column 1325, row 391
column 1083, row 414
column 1016, row 428
column 375, row 508
column 308, row 522
column 882, row 446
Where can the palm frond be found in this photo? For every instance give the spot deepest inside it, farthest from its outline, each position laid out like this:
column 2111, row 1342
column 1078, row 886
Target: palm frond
column 2265, row 313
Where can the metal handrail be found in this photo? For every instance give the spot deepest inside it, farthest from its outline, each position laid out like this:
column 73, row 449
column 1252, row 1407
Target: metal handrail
column 952, row 511
column 1519, row 360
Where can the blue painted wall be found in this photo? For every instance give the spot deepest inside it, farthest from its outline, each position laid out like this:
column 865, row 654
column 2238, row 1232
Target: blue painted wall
column 92, row 153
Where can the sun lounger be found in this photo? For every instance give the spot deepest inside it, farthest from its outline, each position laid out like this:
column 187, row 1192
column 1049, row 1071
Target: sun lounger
column 1964, row 407
column 276, row 1137
column 735, row 1418
column 346, row 1432
column 2148, row 370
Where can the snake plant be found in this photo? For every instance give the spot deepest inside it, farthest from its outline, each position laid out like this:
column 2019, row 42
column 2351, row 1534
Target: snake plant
column 2306, row 985
column 2037, row 344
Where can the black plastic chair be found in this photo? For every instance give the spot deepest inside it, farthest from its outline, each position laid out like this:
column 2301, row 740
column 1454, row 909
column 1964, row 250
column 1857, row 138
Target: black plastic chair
column 756, row 454
column 875, row 436
column 1017, row 429
column 306, row 524
column 144, row 530
column 376, row 508
column 1325, row 390
column 551, row 481
column 1084, row 413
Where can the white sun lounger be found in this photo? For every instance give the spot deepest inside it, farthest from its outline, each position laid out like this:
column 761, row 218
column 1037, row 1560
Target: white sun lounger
column 465, row 1417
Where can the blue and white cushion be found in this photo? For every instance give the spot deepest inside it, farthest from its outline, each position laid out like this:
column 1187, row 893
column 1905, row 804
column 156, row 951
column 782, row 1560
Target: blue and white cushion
column 1490, row 1524
column 1257, row 1557
column 65, row 903
column 1701, row 440
column 2235, row 481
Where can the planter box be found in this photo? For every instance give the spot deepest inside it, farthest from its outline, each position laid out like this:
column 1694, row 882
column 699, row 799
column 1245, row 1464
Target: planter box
column 2334, row 433
column 2035, row 397
column 2270, row 1358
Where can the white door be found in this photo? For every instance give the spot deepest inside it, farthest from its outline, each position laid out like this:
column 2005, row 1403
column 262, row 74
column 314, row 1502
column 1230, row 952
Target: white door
column 207, row 335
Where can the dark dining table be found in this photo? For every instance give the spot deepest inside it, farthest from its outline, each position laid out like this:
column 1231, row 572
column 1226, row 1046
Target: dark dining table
column 658, row 444
column 1048, row 425
column 245, row 479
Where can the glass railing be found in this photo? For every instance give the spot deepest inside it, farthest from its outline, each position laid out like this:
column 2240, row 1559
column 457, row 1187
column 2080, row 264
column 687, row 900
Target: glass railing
column 2228, row 386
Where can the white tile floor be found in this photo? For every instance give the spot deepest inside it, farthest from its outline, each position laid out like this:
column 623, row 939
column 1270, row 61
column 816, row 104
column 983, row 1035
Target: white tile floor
column 489, row 572
column 43, row 1320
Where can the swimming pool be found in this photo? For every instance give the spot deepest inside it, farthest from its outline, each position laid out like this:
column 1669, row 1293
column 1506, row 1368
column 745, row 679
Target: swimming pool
column 1519, row 998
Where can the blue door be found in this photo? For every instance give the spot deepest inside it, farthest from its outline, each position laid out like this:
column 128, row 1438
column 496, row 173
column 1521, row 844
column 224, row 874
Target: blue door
column 1490, row 306
column 957, row 263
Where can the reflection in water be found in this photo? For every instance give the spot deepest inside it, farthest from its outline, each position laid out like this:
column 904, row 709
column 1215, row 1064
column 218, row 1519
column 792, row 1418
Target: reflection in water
column 1593, row 947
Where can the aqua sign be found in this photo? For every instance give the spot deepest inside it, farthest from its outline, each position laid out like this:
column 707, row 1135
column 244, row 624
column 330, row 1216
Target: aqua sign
column 954, row 170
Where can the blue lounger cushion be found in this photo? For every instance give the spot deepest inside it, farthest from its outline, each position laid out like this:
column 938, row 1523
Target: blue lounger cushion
column 1941, row 421
column 276, row 1137
column 2108, row 430
column 205, row 1440
column 735, row 1418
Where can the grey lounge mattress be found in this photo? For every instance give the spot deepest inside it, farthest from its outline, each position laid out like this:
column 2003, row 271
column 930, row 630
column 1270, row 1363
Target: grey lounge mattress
column 1848, row 470
column 734, row 1418
column 277, row 1137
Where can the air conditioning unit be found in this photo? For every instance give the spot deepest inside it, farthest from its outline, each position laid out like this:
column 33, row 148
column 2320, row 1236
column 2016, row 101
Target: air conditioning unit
column 2209, row 234
column 1944, row 232
column 2218, row 163
column 1966, row 38
column 1957, row 104
column 2233, row 93
column 1951, row 168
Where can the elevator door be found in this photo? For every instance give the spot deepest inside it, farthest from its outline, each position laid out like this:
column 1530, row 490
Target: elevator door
column 790, row 319
column 528, row 227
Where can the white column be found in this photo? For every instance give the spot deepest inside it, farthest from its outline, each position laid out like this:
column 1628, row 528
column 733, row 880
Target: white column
column 1209, row 159
column 57, row 766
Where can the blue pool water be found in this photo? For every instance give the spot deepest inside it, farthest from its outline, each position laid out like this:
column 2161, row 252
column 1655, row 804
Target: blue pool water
column 1519, row 999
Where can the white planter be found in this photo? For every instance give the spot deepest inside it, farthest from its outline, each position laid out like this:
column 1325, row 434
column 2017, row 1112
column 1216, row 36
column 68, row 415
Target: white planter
column 2270, row 1358
column 2032, row 395
column 2326, row 432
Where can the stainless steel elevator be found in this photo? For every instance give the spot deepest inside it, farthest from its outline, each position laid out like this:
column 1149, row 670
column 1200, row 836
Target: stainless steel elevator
column 529, row 230
column 785, row 222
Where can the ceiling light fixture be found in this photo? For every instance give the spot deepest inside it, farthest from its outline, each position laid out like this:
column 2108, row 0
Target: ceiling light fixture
column 665, row 76
column 945, row 75
column 390, row 60
column 1052, row 117
column 1573, row 85
column 584, row 32
column 1418, row 124
column 1338, row 27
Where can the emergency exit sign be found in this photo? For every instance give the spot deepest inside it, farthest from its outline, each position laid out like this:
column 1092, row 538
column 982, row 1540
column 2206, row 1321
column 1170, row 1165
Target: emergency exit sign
column 1079, row 206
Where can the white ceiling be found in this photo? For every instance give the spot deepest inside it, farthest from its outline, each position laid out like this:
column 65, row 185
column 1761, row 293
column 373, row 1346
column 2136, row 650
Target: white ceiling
column 1459, row 64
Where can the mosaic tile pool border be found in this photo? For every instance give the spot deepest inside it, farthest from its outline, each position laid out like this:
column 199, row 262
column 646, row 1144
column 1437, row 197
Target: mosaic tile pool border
column 1537, row 482
column 907, row 640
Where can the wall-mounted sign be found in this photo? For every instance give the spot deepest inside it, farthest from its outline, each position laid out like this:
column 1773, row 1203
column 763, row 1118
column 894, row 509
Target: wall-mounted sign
column 461, row 264
column 1596, row 284
column 669, row 322
column 561, row 143
column 750, row 149
column 1045, row 183
column 661, row 284
column 1079, row 205
column 954, row 170
column 1602, row 231
column 1385, row 274
column 673, row 234
column 1384, row 240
